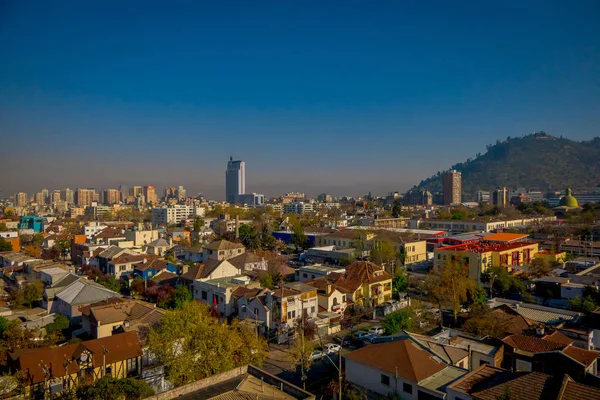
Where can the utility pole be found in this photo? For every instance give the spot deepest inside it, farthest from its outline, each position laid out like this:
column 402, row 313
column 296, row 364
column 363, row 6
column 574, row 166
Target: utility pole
column 104, row 351
column 303, row 347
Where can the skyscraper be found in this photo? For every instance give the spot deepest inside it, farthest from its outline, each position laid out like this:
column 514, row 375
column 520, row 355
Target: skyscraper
column 112, row 196
column 84, row 197
column 150, row 194
column 69, row 196
column 235, row 180
column 135, row 191
column 500, row 197
column 452, row 187
column 21, row 199
column 40, row 198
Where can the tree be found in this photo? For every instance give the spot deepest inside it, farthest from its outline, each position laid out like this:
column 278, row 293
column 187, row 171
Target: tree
column 5, row 245
column 30, row 293
column 3, row 227
column 586, row 306
column 539, row 267
column 453, row 285
column 397, row 209
column 181, row 295
column 397, row 321
column 193, row 344
column 9, row 212
column 111, row 283
column 300, row 353
column 502, row 281
column 60, row 323
column 198, row 224
column 482, row 322
column 476, row 298
column 299, row 238
column 249, row 237
column 402, row 255
column 71, row 229
column 383, row 253
column 399, row 283
column 359, row 243
column 109, row 388
column 63, row 247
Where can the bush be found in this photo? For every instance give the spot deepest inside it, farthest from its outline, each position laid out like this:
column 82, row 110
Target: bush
column 109, row 388
column 398, row 321
column 60, row 323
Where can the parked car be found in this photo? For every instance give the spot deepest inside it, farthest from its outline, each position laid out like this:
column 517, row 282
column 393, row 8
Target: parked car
column 376, row 330
column 343, row 341
column 360, row 335
column 332, row 348
column 317, row 355
column 369, row 338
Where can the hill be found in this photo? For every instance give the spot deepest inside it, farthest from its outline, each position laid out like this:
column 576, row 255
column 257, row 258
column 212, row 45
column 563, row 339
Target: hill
column 536, row 161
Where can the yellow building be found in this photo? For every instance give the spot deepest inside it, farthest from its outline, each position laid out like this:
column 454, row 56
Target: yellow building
column 481, row 256
column 552, row 257
column 55, row 369
column 368, row 285
column 416, row 250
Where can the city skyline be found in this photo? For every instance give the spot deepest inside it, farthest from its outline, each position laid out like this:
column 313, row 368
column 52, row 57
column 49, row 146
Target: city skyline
column 305, row 94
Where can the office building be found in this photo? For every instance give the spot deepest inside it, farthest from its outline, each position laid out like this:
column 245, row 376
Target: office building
column 181, row 193
column 500, row 197
column 452, row 187
column 56, row 197
column 251, row 199
column 150, row 194
column 112, row 196
column 69, row 197
column 84, row 197
column 21, row 199
column 40, row 199
column 46, row 195
column 483, row 196
column 298, row 207
column 235, row 180
column 135, row 191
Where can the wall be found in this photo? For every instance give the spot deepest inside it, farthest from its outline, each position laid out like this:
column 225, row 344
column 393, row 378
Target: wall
column 192, row 387
column 370, row 378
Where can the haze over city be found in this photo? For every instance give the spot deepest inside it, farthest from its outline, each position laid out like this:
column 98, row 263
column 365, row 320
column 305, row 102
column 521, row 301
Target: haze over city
column 343, row 98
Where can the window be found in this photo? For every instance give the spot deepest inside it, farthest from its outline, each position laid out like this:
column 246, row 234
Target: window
column 131, row 364
column 204, row 295
column 407, row 388
column 312, row 310
column 385, row 380
column 305, row 275
column 292, row 314
column 343, row 298
column 121, row 268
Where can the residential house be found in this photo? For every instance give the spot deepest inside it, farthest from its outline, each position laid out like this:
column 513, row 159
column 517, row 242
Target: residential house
column 367, row 284
column 416, row 250
column 48, row 371
column 248, row 261
column 117, row 315
column 218, row 292
column 149, row 269
column 211, row 269
column 290, row 303
column 124, row 263
column 330, row 297
column 109, row 253
column 108, row 236
column 344, row 239
column 402, row 368
column 222, row 250
column 141, row 237
column 70, row 292
column 491, row 383
column 92, row 228
column 194, row 253
column 252, row 303
column 158, row 247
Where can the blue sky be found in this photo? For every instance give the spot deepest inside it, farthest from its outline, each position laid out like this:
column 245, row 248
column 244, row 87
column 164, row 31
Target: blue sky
column 346, row 96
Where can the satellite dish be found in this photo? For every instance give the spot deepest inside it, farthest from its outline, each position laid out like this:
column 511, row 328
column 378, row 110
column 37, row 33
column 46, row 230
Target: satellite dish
column 83, row 357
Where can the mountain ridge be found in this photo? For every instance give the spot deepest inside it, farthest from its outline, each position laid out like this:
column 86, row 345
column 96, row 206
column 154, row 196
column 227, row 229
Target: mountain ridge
column 535, row 161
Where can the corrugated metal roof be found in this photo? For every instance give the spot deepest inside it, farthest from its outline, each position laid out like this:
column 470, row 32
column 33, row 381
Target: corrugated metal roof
column 82, row 292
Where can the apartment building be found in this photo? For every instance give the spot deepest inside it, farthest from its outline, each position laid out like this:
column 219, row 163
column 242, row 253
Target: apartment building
column 173, row 214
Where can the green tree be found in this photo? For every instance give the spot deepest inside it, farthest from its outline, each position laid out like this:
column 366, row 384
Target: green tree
column 452, row 285
column 383, row 253
column 109, row 388
column 586, row 306
column 539, row 267
column 198, row 224
column 5, row 245
column 399, row 283
column 249, row 237
column 3, row 325
column 266, row 281
column 192, row 343
column 63, row 246
column 181, row 295
column 476, row 298
column 397, row 321
column 300, row 353
column 30, row 293
column 502, row 281
column 3, row 227
column 299, row 238
column 397, row 209
column 402, row 255
column 111, row 283
column 60, row 323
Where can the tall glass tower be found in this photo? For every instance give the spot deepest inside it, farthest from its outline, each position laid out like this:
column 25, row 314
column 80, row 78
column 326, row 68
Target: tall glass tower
column 235, row 180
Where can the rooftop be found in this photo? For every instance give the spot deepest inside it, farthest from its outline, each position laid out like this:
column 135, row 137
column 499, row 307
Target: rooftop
column 485, row 247
column 505, row 237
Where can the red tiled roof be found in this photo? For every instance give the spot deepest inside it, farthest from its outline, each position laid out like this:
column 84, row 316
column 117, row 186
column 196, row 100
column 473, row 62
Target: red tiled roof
column 585, row 357
column 531, row 386
column 572, row 390
column 532, row 344
column 558, row 337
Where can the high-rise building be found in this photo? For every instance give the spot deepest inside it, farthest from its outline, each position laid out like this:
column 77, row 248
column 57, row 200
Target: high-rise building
column 150, row 194
column 181, row 193
column 69, row 198
column 170, row 193
column 235, row 180
column 40, row 198
column 84, row 197
column 483, row 196
column 452, row 187
column 112, row 196
column 500, row 197
column 21, row 199
column 56, row 197
column 135, row 191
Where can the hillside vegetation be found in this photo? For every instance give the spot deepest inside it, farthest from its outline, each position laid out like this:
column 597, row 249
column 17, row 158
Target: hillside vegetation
column 536, row 161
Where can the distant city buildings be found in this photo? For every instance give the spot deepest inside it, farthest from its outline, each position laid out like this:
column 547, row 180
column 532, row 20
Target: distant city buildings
column 452, row 187
column 174, row 214
column 500, row 197
column 235, row 180
column 150, row 194
column 84, row 197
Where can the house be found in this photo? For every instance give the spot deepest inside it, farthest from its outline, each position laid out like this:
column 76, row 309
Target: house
column 194, row 253
column 315, row 271
column 117, row 315
column 367, row 284
column 248, row 261
column 211, row 269
column 290, row 303
column 72, row 291
column 108, row 236
column 92, row 228
column 330, row 297
column 401, row 368
column 149, row 269
column 141, row 237
column 252, row 303
column 108, row 254
column 217, row 293
column 124, row 263
column 491, row 383
column 48, row 371
column 415, row 250
column 158, row 247
column 222, row 250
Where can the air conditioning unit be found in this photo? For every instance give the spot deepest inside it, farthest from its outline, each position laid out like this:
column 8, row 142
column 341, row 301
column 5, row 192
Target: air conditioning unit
column 56, row 388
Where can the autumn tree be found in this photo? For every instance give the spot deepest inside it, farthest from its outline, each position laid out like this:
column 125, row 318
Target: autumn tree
column 300, row 355
column 539, row 268
column 451, row 285
column 30, row 293
column 383, row 253
column 193, row 344
column 109, row 388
